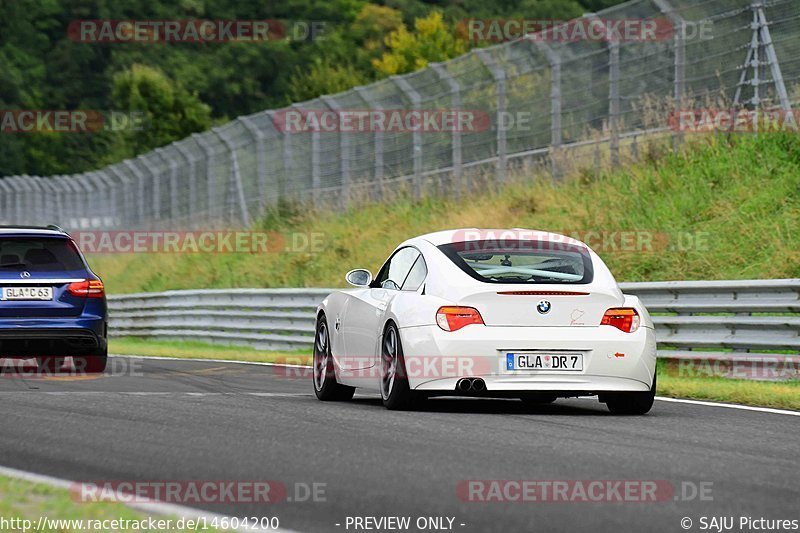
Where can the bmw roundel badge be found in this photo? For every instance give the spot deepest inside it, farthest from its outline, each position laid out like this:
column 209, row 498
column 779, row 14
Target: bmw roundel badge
column 543, row 307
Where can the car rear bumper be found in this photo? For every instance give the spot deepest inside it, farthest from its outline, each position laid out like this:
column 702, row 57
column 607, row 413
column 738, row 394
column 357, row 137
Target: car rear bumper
column 612, row 360
column 30, row 337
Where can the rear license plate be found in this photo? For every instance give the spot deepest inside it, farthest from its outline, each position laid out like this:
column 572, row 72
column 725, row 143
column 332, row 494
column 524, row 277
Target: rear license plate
column 28, row 293
column 544, row 361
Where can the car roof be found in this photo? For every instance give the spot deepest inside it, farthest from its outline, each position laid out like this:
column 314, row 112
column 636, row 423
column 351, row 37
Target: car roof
column 32, row 231
column 469, row 234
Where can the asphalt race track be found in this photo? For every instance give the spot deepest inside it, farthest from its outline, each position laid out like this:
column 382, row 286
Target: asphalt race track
column 193, row 420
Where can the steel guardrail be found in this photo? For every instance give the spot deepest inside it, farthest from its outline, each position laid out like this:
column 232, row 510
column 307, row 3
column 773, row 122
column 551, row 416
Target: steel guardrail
column 743, row 319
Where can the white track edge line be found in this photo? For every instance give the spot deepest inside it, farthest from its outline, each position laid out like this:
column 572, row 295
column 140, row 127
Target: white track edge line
column 661, row 398
column 154, row 507
column 167, row 358
column 730, row 406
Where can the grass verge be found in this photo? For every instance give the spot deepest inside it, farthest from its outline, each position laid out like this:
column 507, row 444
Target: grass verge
column 777, row 394
column 202, row 350
column 725, row 208
column 22, row 501
column 781, row 395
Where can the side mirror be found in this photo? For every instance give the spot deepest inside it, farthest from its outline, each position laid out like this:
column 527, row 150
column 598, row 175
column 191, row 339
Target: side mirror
column 359, row 277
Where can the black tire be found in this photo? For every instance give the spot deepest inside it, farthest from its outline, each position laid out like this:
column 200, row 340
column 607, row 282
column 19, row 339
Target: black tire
column 632, row 403
column 323, row 373
column 395, row 390
column 91, row 364
column 534, row 399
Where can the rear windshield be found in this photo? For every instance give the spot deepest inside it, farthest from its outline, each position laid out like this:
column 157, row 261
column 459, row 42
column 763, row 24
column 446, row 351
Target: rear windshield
column 38, row 254
column 509, row 261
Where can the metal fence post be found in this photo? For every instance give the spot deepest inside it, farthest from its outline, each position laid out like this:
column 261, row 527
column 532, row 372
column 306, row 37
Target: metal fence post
column 416, row 135
column 155, row 183
column 20, row 199
column 95, row 184
column 377, row 171
column 613, row 100
column 52, row 185
column 11, row 199
column 173, row 184
column 679, row 45
column 84, row 193
column 65, row 197
column 5, row 214
column 211, row 178
column 455, row 104
column 127, row 212
column 139, row 191
column 261, row 162
column 286, row 156
column 29, row 200
column 315, row 172
column 71, row 196
column 344, row 154
column 555, row 106
column 192, row 202
column 237, row 176
column 45, row 209
column 499, row 76
column 111, row 195
column 772, row 58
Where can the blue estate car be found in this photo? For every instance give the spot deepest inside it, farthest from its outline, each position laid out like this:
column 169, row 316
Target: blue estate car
column 52, row 305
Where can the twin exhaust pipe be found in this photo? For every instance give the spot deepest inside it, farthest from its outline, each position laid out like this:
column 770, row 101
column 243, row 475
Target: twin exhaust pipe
column 471, row 385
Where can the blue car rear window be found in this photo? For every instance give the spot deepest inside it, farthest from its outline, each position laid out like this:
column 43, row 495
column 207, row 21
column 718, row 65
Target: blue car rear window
column 38, row 254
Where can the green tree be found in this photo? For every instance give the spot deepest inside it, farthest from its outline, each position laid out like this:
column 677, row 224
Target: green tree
column 432, row 40
column 322, row 78
column 170, row 111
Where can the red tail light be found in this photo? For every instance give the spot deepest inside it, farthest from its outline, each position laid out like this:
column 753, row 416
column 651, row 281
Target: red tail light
column 90, row 288
column 623, row 318
column 454, row 318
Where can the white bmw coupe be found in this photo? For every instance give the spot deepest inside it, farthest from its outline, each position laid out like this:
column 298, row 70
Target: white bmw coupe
column 487, row 313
